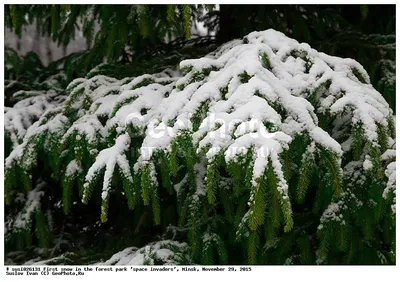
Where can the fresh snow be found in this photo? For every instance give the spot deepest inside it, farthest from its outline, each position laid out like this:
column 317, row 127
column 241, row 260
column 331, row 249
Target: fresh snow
column 157, row 103
column 24, row 113
column 161, row 250
column 108, row 159
column 23, row 219
column 88, row 126
column 162, row 106
column 390, row 173
column 367, row 163
column 72, row 168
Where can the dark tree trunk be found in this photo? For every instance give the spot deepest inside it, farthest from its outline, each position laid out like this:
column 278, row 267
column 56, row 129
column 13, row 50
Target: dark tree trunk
column 227, row 24
column 236, row 21
column 49, row 54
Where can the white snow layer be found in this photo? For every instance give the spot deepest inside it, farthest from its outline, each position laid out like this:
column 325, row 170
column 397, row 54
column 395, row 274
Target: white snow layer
column 243, row 85
column 390, row 173
column 23, row 219
column 148, row 254
column 24, row 113
column 107, row 159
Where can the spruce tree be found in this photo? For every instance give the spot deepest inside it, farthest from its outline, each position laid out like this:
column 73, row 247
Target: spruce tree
column 124, row 33
column 264, row 151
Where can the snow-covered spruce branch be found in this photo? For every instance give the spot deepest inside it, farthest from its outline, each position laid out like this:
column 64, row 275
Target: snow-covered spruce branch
column 267, row 112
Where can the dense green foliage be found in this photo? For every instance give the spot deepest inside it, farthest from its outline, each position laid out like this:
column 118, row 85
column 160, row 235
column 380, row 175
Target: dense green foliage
column 123, row 29
column 75, row 179
column 127, row 32
column 365, row 33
